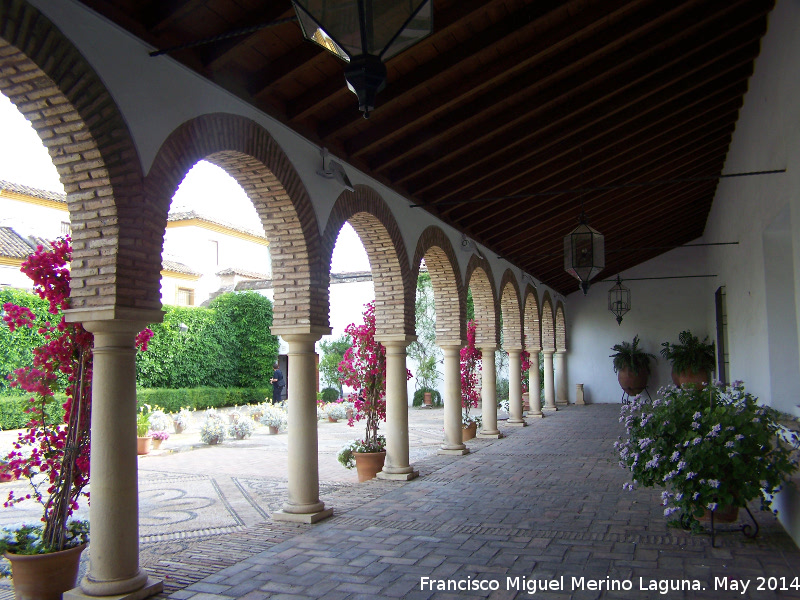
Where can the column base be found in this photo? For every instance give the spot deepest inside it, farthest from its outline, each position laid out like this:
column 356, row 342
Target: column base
column 150, row 588
column 549, row 408
column 536, row 416
column 495, row 435
column 515, row 423
column 562, row 403
column 307, row 518
column 453, row 452
column 398, row 476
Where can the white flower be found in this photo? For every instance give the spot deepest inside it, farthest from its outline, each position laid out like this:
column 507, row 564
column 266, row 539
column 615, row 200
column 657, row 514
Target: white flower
column 712, row 506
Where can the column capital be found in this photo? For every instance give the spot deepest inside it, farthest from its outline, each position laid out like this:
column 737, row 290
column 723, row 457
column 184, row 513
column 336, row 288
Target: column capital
column 398, row 340
column 513, row 348
column 295, row 330
column 444, row 344
column 113, row 319
column 488, row 348
column 549, row 351
column 562, row 352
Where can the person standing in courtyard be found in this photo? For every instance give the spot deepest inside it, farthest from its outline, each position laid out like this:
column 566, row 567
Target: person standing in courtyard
column 278, row 384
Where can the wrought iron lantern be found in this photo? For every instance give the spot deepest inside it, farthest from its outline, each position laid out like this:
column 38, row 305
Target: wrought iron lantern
column 619, row 300
column 365, row 34
column 584, row 254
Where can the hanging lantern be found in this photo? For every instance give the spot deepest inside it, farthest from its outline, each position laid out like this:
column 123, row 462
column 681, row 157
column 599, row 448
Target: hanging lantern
column 365, row 34
column 619, row 300
column 584, row 255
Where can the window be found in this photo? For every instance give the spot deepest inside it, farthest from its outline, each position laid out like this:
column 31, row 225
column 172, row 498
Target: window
column 214, row 252
column 184, row 297
column 723, row 358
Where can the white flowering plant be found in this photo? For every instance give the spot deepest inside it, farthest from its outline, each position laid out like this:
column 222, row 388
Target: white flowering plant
column 273, row 416
column 709, row 449
column 336, row 410
column 181, row 420
column 159, row 420
column 242, row 429
column 212, row 431
column 26, row 539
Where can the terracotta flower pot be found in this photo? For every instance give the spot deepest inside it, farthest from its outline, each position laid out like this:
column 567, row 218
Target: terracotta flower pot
column 143, row 445
column 468, row 432
column 157, row 443
column 427, row 398
column 368, row 464
column 45, row 576
column 723, row 514
column 526, row 403
column 687, row 377
column 332, row 420
column 179, row 428
column 631, row 384
column 272, row 429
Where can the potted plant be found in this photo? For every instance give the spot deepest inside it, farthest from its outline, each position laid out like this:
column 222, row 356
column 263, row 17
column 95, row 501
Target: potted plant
column 143, row 440
column 335, row 411
column 159, row 423
column 53, row 453
column 427, row 375
column 632, row 366
column 181, row 420
column 692, row 360
column 212, row 431
column 470, row 394
column 711, row 449
column 273, row 417
column 242, row 428
column 363, row 368
column 158, row 437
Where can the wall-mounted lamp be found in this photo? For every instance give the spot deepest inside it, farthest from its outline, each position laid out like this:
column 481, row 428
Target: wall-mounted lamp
column 333, row 170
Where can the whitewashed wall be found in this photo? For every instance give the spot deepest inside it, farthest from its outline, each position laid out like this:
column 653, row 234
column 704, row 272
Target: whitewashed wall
column 661, row 309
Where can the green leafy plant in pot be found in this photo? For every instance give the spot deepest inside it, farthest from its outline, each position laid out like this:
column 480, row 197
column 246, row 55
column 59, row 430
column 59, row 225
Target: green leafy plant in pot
column 632, row 366
column 692, row 360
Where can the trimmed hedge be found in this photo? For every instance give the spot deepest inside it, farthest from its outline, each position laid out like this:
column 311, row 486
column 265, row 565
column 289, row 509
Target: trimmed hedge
column 200, row 398
column 13, row 406
column 16, row 349
column 330, row 394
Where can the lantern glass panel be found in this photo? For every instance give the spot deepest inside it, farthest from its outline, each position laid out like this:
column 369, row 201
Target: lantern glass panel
column 584, row 253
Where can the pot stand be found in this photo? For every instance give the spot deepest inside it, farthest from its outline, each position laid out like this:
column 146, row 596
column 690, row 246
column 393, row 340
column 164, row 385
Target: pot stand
column 626, row 398
column 746, row 530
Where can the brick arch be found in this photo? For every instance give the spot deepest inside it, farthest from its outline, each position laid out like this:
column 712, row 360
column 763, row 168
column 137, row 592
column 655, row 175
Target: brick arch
column 377, row 228
column 512, row 310
column 479, row 278
column 248, row 153
column 66, row 102
column 561, row 327
column 531, row 326
column 548, row 324
column 449, row 295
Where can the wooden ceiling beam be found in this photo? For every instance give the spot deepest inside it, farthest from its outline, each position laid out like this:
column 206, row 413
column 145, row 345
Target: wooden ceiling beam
column 156, row 17
column 616, row 95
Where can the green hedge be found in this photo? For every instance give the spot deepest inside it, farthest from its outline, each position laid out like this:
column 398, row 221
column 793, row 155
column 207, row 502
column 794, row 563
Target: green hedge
column 200, row 398
column 16, row 349
column 13, row 415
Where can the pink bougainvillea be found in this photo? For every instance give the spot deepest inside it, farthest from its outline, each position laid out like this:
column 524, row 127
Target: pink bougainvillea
column 54, row 456
column 470, row 366
column 525, row 359
column 364, row 369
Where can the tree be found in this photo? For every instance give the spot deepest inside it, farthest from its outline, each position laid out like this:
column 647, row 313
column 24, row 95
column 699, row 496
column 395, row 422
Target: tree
column 424, row 350
column 333, row 351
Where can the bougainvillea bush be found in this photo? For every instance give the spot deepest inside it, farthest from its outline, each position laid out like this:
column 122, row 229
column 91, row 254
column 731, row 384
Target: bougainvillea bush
column 470, row 380
column 54, row 455
column 364, row 369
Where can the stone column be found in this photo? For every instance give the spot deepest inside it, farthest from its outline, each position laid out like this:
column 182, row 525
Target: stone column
column 534, row 387
column 489, row 394
column 515, row 388
column 396, row 465
column 113, row 514
column 452, row 401
column 561, row 369
column 303, row 505
column 549, row 382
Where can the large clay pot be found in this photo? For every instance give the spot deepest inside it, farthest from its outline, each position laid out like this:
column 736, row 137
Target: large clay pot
column 687, row 377
column 468, row 432
column 157, row 443
column 143, row 445
column 45, row 576
column 631, row 384
column 723, row 514
column 332, row 420
column 526, row 403
column 178, row 428
column 427, row 398
column 368, row 464
column 272, row 430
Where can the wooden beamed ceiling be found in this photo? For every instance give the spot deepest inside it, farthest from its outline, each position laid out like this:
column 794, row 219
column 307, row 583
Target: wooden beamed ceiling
column 495, row 120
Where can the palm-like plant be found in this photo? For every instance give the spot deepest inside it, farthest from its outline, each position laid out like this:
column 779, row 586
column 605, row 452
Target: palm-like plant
column 629, row 356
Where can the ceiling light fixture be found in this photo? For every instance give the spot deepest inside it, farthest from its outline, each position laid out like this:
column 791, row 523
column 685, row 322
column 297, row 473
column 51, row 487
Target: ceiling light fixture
column 619, row 300
column 584, row 249
column 365, row 34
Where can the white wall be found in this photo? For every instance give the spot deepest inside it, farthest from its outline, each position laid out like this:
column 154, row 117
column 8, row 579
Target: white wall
column 28, row 218
column 661, row 309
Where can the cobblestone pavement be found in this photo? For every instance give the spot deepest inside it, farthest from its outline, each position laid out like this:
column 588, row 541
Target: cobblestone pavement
column 542, row 504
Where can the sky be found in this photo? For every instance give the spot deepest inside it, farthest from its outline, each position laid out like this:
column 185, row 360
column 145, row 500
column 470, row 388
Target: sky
column 24, row 160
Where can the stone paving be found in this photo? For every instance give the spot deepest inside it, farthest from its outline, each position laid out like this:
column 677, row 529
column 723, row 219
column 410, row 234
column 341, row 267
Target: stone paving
column 543, row 505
